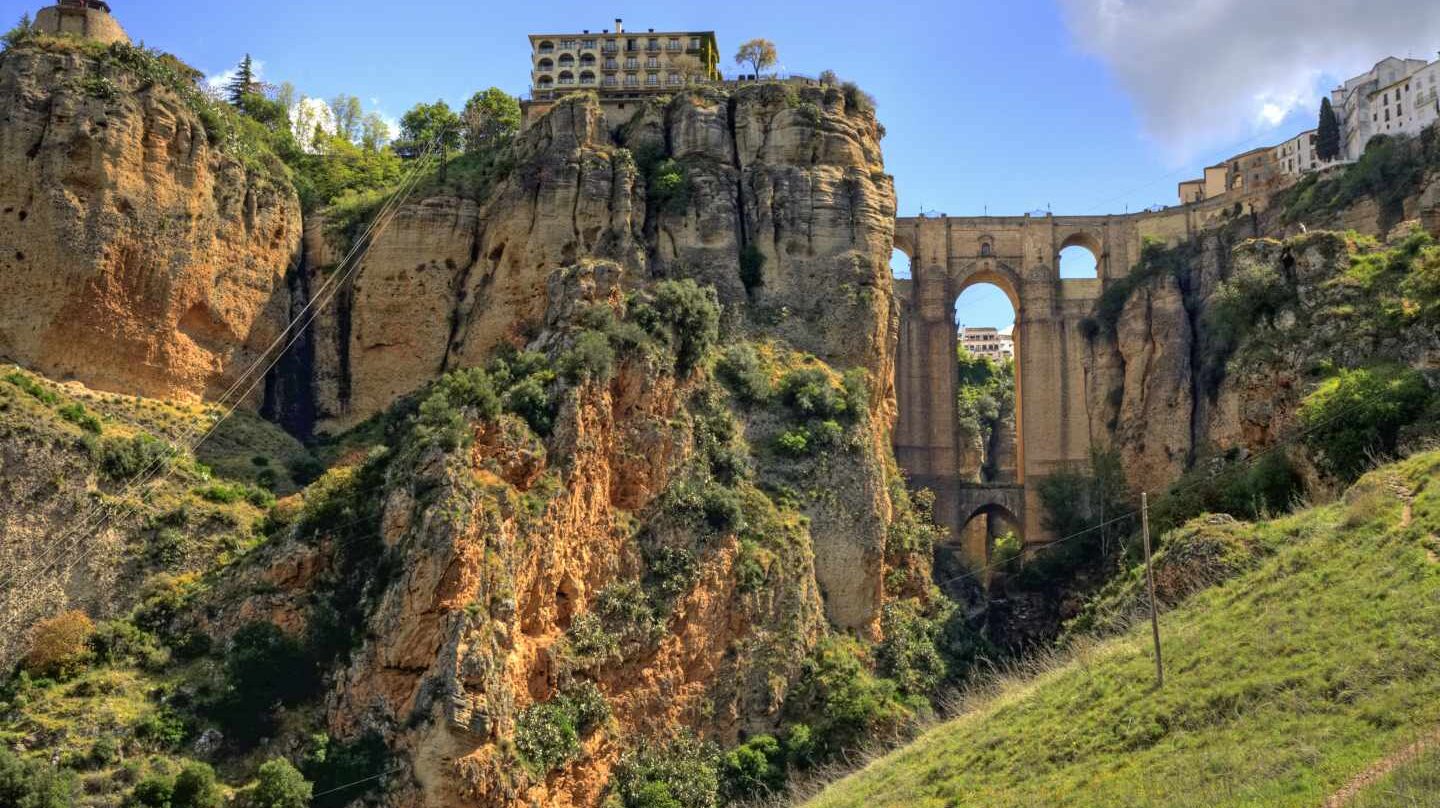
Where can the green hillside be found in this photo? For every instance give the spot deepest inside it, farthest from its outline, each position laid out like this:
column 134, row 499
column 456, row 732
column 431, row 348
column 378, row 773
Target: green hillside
column 1284, row 683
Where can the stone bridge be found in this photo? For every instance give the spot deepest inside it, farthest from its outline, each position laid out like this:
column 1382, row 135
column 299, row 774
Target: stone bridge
column 1020, row 255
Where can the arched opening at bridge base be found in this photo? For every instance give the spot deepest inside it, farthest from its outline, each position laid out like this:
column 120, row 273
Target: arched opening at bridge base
column 963, row 561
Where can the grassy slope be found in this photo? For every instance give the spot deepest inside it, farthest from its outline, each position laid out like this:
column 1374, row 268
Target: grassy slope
column 1282, row 684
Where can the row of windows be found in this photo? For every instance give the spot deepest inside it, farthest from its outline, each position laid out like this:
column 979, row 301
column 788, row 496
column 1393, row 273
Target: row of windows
column 567, row 61
column 631, row 80
column 612, row 45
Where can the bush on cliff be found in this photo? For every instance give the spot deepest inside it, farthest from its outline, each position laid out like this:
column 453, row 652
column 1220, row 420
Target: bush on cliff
column 1355, row 417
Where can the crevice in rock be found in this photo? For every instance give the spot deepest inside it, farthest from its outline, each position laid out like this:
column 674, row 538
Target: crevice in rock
column 459, row 313
column 289, row 398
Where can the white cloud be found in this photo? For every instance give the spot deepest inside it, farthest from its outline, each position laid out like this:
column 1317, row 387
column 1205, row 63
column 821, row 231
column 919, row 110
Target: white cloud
column 1208, row 73
column 221, row 80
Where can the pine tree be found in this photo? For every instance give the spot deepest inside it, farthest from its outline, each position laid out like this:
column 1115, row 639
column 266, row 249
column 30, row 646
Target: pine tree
column 244, row 82
column 1327, row 139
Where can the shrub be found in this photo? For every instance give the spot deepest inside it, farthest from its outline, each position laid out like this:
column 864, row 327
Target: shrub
column 810, row 393
column 740, row 369
column 155, row 791
column 670, row 186
column 330, row 765
column 752, row 267
column 1230, row 485
column 531, row 402
column 547, row 735
column 682, row 772
column 162, row 729
column 60, row 645
column 280, row 785
column 845, row 704
column 753, row 769
column 453, row 402
column 672, row 571
column 222, row 493
column 590, row 358
column 195, row 787
column 32, row 784
column 127, row 458
column 264, row 668
column 908, row 653
column 688, row 316
column 1357, row 415
column 34, row 388
column 75, row 413
column 750, row 567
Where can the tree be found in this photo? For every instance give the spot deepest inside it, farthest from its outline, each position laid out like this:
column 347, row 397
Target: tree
column 243, row 82
column 285, row 96
column 491, row 118
column 280, row 785
column 758, row 53
column 346, row 109
column 427, row 123
column 20, row 32
column 60, row 645
column 374, row 132
column 195, row 787
column 1327, row 139
column 690, row 68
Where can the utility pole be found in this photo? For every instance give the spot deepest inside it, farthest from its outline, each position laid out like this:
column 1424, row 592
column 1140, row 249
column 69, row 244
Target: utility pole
column 1150, row 585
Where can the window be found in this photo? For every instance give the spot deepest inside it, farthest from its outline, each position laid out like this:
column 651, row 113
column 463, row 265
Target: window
column 631, row 63
column 694, row 43
column 674, row 79
column 566, row 60
column 632, row 80
column 652, row 63
column 546, row 46
column 587, row 44
column 567, row 77
column 673, row 44
column 545, row 64
column 653, row 44
column 544, row 82
column 567, row 44
column 652, row 79
column 611, row 46
column 611, row 64
column 587, row 77
column 630, row 45
column 587, row 60
column 609, row 81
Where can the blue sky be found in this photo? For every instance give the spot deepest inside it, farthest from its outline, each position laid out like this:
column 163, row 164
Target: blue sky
column 1077, row 106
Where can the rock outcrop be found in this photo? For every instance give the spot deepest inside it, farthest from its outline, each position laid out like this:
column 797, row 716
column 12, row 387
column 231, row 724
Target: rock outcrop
column 135, row 256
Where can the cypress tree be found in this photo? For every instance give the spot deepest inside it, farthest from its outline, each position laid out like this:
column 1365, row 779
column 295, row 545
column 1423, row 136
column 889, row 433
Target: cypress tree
column 1327, row 138
column 244, row 82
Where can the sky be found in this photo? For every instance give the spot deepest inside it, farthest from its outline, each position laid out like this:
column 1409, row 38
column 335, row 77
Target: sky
column 1072, row 106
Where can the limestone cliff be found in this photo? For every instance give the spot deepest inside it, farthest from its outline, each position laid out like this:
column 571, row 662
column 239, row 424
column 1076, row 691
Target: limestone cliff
column 135, row 254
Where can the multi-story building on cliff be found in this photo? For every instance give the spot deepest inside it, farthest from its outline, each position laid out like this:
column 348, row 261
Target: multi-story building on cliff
column 620, row 67
column 1297, row 156
column 86, row 18
column 1396, row 96
column 991, row 343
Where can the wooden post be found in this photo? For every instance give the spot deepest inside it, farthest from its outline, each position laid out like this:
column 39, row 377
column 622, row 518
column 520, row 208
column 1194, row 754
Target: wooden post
column 1150, row 585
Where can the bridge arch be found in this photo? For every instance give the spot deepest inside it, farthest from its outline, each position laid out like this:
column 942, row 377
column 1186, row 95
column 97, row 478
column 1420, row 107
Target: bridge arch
column 1019, row 255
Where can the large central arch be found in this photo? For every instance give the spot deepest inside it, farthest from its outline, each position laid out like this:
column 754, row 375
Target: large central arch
column 1020, row 255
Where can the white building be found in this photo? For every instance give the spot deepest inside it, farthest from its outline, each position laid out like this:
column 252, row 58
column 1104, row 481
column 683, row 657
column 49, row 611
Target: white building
column 1296, row 156
column 991, row 343
column 1396, row 96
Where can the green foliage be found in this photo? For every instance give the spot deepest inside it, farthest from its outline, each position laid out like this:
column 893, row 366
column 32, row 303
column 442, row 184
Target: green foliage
column 669, row 186
column 1327, row 133
column 909, row 654
column 589, row 358
column 1230, row 485
column 1081, row 507
column 985, row 395
column 280, row 785
column 793, row 442
column 739, row 367
column 127, row 458
column 32, row 784
column 1356, row 416
column 491, row 118
column 427, row 123
column 620, row 623
column 752, row 267
column 353, row 181
column 754, row 769
column 1156, row 260
column 453, row 403
column 264, row 668
column 1253, row 294
column 329, row 765
column 685, row 316
column 244, row 82
column 547, row 734
column 680, row 773
column 23, row 381
column 810, row 392
column 196, row 787
column 162, row 730
column 75, row 413
column 844, row 704
column 751, row 566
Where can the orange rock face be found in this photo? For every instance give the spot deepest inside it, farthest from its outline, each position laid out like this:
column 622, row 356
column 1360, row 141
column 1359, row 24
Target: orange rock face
column 134, row 256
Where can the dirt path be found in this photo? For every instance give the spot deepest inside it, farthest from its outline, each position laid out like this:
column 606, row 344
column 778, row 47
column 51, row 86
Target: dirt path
column 1375, row 771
